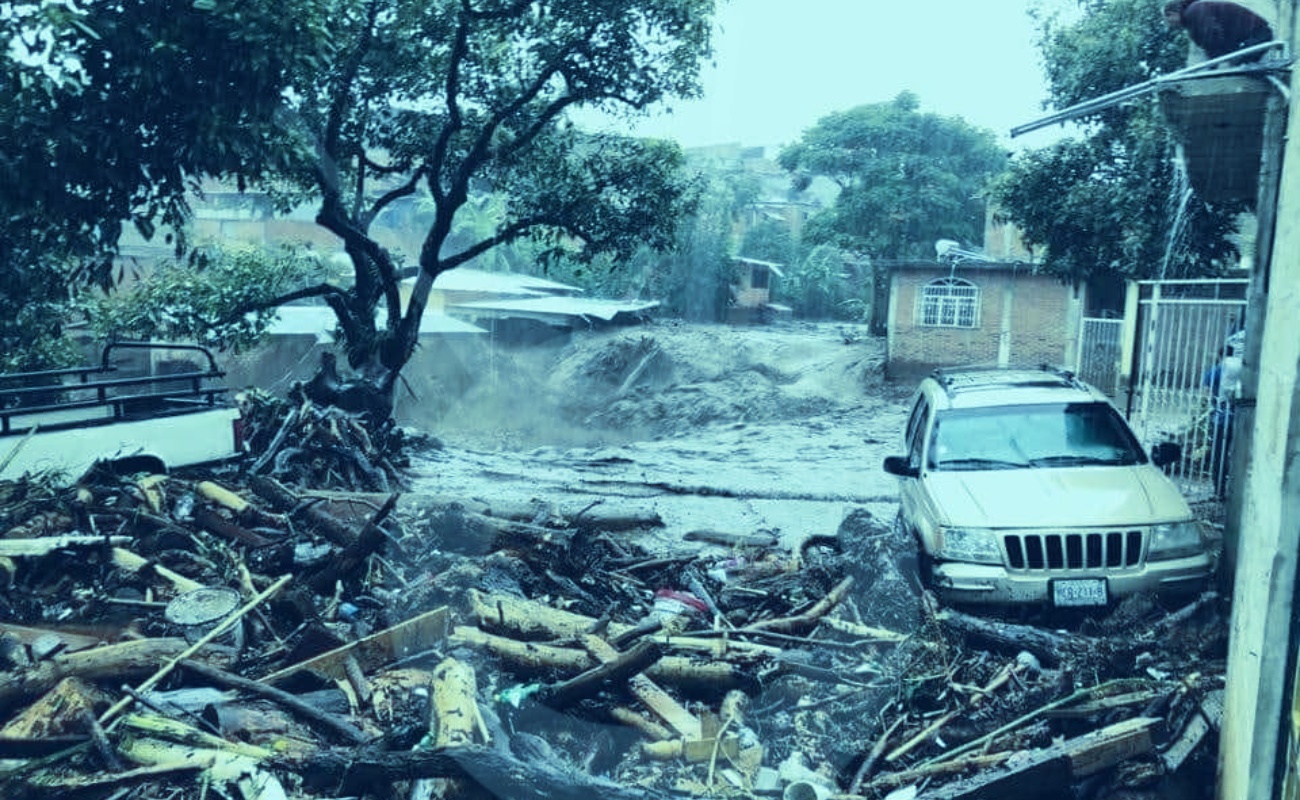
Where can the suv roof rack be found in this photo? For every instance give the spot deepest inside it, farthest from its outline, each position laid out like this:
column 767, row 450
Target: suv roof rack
column 957, row 379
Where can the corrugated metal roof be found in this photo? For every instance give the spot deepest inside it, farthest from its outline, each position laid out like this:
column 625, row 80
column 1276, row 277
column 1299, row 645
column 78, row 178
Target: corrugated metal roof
column 319, row 321
column 462, row 279
column 560, row 306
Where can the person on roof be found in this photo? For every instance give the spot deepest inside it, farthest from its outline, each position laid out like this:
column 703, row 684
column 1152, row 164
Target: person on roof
column 1219, row 27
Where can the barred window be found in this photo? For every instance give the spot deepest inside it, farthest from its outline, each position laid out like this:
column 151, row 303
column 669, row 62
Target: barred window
column 950, row 303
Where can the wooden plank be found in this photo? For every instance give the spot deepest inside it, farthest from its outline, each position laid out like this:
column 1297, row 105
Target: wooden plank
column 1105, row 704
column 1198, row 726
column 403, row 639
column 1046, row 777
column 1051, row 772
column 1104, row 748
column 660, row 703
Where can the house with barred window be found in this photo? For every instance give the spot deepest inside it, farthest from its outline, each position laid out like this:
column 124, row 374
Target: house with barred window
column 992, row 308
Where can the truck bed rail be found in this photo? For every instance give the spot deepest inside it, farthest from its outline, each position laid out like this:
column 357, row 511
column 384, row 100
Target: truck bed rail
column 79, row 396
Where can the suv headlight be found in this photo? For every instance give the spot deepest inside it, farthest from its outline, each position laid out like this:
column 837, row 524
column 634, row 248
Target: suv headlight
column 1175, row 540
column 977, row 545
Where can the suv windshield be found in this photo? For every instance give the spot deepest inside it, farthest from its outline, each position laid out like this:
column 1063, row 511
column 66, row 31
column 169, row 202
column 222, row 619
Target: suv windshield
column 1018, row 437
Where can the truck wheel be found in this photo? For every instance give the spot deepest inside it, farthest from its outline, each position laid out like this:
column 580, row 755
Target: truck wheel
column 134, row 465
column 912, row 561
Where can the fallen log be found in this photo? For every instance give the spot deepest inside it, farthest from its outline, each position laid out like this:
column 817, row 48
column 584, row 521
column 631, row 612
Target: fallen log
column 328, row 722
column 660, row 703
column 650, row 729
column 692, row 752
column 59, row 712
column 32, row 637
column 43, row 546
column 369, row 541
column 534, row 657
column 209, row 520
column 616, row 670
column 867, row 632
column 809, row 618
column 244, row 511
column 155, row 728
column 123, row 661
column 57, row 782
column 1050, row 648
column 479, row 533
column 220, row 765
column 344, row 772
column 732, row 539
column 528, row 619
column 455, row 718
column 134, row 563
column 531, row 620
column 306, row 512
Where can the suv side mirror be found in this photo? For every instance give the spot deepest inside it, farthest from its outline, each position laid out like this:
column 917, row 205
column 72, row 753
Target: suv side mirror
column 1166, row 453
column 897, row 465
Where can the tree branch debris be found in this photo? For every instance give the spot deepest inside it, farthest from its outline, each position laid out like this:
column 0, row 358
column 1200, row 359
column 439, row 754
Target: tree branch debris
column 390, row 645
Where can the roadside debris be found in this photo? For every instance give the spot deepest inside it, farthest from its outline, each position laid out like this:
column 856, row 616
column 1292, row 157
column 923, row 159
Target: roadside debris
column 370, row 643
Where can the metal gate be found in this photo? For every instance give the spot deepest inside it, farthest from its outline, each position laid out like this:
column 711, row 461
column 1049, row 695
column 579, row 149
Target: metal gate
column 1179, row 329
column 1100, row 353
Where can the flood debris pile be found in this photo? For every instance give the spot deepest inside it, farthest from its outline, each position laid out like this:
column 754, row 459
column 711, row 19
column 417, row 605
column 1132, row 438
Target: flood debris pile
column 237, row 636
column 306, row 443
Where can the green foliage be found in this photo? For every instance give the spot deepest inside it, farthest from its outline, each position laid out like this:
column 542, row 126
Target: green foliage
column 821, row 287
column 127, row 106
column 1111, row 45
column 770, row 240
column 110, row 113
column 1113, row 204
column 220, row 297
column 32, row 321
column 907, row 178
column 445, row 102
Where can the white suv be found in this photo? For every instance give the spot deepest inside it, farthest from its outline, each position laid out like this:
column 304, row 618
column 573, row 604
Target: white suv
column 1028, row 487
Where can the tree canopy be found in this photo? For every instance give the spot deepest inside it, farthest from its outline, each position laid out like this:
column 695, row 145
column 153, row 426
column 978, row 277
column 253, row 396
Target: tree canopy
column 110, row 114
column 355, row 105
column 456, row 97
column 907, row 178
column 1114, row 202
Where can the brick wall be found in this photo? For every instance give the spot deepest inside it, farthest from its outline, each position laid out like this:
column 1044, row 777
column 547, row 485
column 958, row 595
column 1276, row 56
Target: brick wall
column 1024, row 319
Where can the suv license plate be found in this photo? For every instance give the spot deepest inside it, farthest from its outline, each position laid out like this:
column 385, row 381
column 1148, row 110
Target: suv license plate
column 1087, row 592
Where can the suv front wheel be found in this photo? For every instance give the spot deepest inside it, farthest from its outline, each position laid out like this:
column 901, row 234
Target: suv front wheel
column 913, row 562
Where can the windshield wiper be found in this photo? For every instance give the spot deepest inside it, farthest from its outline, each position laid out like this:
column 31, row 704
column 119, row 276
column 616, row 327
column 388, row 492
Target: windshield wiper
column 980, row 463
column 1075, row 461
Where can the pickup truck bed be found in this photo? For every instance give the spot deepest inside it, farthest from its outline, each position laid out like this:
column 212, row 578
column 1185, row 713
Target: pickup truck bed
column 64, row 421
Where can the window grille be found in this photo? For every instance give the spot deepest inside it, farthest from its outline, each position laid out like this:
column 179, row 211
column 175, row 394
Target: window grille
column 950, row 303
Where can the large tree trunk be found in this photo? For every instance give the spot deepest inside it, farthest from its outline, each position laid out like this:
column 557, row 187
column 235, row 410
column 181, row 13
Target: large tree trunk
column 373, row 398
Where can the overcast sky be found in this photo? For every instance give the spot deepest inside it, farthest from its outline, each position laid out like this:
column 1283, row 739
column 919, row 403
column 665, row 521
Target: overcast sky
column 781, row 65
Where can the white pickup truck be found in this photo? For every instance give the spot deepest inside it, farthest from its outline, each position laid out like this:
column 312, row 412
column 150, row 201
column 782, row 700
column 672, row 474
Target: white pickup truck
column 60, row 423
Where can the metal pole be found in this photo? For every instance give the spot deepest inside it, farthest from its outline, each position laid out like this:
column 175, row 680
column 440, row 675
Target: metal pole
column 1193, row 72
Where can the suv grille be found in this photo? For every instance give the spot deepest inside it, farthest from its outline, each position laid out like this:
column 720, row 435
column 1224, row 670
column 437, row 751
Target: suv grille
column 1046, row 551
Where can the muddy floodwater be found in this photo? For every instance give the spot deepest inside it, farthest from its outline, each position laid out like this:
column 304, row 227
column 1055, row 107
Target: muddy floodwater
column 778, row 429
